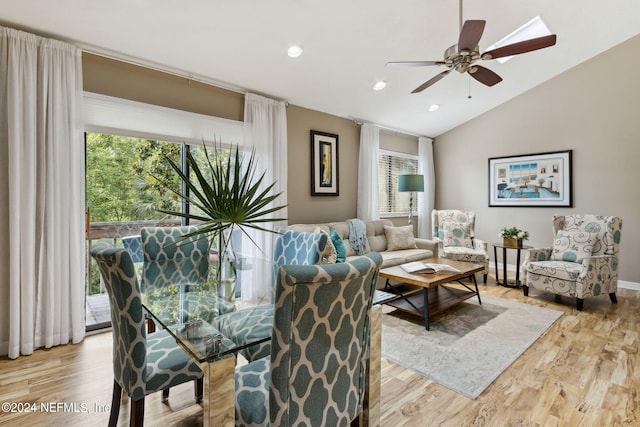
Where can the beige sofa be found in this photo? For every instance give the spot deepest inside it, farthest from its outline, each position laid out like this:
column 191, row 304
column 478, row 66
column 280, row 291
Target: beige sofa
column 376, row 241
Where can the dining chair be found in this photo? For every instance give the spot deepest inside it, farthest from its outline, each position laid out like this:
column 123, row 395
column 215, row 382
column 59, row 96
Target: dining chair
column 172, row 259
column 142, row 364
column 134, row 245
column 254, row 323
column 316, row 373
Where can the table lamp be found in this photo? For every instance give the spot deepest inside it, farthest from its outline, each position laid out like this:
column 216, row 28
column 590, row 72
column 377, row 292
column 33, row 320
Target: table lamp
column 410, row 183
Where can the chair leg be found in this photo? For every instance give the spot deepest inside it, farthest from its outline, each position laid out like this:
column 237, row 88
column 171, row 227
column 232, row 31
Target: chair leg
column 579, row 303
column 484, row 278
column 165, row 395
column 612, row 297
column 525, row 290
column 115, row 404
column 137, row 413
column 198, row 386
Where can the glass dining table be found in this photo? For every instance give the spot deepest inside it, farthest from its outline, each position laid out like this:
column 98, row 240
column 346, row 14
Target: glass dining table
column 192, row 313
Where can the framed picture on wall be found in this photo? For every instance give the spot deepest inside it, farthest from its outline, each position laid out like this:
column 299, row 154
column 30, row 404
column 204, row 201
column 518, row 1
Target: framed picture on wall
column 531, row 180
column 324, row 164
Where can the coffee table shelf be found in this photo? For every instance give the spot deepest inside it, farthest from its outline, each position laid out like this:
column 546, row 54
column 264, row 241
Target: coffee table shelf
column 440, row 298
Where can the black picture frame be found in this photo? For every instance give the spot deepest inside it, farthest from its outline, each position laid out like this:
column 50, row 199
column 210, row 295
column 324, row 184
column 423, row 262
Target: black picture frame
column 324, row 164
column 531, row 180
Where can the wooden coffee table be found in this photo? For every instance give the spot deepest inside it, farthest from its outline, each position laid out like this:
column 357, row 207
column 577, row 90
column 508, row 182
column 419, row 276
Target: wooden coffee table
column 425, row 294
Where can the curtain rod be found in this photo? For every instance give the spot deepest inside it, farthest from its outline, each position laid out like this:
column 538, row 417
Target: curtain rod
column 390, row 129
column 116, row 56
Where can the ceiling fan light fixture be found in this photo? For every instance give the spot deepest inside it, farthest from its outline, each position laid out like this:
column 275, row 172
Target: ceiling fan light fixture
column 294, row 51
column 379, row 85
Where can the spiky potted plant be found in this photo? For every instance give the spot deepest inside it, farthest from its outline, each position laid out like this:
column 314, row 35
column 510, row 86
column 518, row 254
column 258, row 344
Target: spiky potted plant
column 228, row 194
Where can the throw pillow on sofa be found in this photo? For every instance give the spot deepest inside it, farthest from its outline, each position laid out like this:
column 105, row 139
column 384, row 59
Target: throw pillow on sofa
column 341, row 249
column 399, row 238
column 329, row 255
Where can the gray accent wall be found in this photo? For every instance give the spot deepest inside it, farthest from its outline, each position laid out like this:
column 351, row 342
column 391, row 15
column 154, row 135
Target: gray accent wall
column 592, row 109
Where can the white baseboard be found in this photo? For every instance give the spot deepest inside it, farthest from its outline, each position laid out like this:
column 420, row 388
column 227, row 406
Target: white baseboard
column 624, row 284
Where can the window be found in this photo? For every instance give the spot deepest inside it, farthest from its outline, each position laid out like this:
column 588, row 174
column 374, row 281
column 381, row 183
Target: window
column 391, row 165
column 126, row 142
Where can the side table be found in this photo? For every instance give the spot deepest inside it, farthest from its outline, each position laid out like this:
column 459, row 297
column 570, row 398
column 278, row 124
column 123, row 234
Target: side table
column 505, row 282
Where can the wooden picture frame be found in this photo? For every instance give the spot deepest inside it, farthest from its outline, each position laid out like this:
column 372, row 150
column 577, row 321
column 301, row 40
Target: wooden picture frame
column 531, row 180
column 324, row 164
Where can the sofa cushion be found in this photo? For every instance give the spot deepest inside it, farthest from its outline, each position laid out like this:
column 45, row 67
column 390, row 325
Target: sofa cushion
column 393, row 258
column 375, row 234
column 399, row 238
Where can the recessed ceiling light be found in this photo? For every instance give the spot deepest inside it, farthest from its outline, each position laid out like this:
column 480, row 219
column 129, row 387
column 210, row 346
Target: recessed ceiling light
column 434, row 107
column 532, row 29
column 294, row 51
column 380, row 85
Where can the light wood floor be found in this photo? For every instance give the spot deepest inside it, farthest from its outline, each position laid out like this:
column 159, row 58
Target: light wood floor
column 585, row 371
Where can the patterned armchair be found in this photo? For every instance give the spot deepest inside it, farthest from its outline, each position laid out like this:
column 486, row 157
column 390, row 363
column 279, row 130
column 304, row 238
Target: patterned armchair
column 250, row 324
column 316, row 373
column 454, row 231
column 142, row 364
column 583, row 261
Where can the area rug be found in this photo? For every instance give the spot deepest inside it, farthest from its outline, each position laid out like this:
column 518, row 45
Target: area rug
column 468, row 345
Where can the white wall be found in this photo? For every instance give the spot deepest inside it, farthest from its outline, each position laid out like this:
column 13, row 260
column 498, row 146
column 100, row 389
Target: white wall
column 592, row 109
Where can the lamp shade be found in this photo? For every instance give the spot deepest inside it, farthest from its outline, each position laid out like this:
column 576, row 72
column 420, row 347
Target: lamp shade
column 410, row 183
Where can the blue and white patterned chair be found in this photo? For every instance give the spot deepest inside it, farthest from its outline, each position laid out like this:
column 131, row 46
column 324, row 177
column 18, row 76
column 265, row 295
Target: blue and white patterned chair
column 316, row 373
column 134, row 245
column 242, row 326
column 582, row 262
column 142, row 364
column 454, row 231
column 171, row 260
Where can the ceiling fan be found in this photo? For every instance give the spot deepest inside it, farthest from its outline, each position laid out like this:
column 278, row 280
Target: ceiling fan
column 462, row 57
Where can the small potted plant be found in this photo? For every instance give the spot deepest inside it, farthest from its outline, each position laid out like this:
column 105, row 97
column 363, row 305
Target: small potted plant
column 512, row 237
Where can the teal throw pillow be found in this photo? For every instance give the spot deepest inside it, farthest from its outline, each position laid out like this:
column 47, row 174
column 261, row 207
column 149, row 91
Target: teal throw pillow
column 341, row 249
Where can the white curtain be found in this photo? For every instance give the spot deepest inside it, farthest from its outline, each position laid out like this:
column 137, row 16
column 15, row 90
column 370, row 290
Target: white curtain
column 426, row 200
column 266, row 131
column 368, row 208
column 42, row 184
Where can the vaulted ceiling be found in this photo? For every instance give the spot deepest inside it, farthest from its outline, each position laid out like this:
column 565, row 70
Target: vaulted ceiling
column 243, row 45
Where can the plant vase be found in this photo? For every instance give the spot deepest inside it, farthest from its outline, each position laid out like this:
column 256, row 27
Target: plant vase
column 226, row 279
column 511, row 243
column 224, row 269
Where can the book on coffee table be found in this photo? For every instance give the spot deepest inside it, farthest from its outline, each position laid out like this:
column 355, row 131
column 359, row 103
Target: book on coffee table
column 419, row 267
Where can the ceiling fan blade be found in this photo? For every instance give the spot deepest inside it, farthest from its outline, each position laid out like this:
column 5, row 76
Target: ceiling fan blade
column 414, row 63
column 431, row 81
column 521, row 47
column 485, row 76
column 470, row 35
